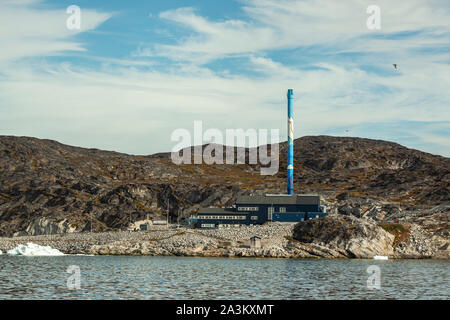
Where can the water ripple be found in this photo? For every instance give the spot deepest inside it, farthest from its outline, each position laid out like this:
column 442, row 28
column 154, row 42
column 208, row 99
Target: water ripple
column 219, row 278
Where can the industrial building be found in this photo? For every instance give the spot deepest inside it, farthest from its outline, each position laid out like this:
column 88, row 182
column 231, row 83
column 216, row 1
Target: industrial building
column 256, row 210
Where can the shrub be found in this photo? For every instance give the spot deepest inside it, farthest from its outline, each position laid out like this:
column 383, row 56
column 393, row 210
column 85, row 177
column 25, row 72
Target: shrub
column 400, row 232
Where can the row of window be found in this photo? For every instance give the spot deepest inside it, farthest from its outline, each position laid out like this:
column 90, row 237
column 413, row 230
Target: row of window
column 227, row 226
column 281, row 209
column 223, row 217
column 269, row 217
column 248, row 208
column 223, row 226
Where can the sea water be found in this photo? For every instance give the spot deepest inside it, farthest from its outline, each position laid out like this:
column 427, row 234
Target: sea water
column 114, row 277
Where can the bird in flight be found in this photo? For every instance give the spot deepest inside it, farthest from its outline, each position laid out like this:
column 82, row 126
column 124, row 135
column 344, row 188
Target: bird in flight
column 395, row 65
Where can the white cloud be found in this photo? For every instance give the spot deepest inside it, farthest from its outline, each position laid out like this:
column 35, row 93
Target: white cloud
column 291, row 24
column 135, row 111
column 32, row 31
column 131, row 109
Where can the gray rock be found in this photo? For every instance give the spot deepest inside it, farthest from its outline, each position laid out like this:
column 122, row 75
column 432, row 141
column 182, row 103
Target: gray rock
column 352, row 237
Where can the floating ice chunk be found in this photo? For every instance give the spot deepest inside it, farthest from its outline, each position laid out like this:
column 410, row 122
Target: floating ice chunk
column 1, row 252
column 381, row 257
column 32, row 249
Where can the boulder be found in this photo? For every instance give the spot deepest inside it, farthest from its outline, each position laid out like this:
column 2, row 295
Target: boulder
column 353, row 237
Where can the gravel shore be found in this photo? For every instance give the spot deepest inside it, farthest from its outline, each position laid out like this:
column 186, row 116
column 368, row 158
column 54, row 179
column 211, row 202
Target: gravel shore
column 332, row 237
column 162, row 241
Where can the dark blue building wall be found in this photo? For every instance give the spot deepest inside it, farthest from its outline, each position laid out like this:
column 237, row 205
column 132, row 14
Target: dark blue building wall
column 201, row 220
column 313, row 215
column 218, row 221
column 293, row 213
column 289, row 217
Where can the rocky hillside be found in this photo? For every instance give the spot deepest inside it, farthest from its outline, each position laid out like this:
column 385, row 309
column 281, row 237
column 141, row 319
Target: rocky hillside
column 48, row 187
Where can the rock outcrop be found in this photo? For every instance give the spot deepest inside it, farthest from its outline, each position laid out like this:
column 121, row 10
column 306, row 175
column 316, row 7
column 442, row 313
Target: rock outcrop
column 45, row 226
column 347, row 236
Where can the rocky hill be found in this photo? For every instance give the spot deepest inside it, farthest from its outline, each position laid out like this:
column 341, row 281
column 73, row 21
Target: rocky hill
column 47, row 187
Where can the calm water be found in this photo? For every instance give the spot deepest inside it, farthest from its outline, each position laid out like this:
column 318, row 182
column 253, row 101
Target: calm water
column 219, row 278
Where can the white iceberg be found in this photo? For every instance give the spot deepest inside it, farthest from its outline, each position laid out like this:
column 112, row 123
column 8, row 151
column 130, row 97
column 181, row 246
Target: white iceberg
column 1, row 252
column 381, row 257
column 32, row 249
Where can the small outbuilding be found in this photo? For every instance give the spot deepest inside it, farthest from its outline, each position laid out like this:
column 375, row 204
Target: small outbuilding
column 255, row 242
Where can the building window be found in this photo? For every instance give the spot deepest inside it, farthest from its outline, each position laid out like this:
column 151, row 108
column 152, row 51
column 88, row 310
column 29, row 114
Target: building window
column 282, row 209
column 248, row 208
column 270, row 211
column 254, row 217
column 222, row 217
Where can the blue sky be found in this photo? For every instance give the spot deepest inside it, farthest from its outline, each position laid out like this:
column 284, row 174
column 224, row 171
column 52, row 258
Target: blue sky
column 138, row 70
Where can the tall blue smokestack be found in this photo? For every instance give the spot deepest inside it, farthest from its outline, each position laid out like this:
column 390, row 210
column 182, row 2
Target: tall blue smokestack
column 290, row 155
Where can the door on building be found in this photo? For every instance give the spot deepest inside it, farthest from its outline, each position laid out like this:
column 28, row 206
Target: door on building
column 270, row 211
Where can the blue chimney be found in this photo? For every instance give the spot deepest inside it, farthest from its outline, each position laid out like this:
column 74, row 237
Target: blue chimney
column 290, row 155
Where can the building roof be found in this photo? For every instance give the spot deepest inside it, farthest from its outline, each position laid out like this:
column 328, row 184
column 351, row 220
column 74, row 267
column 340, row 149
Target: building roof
column 307, row 199
column 216, row 211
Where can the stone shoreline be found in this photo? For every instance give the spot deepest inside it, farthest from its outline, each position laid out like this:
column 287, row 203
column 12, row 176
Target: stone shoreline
column 277, row 242
column 160, row 241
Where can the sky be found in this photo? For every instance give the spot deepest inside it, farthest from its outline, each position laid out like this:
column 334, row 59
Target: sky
column 135, row 71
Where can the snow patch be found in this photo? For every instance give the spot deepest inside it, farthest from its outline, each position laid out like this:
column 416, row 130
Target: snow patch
column 31, row 249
